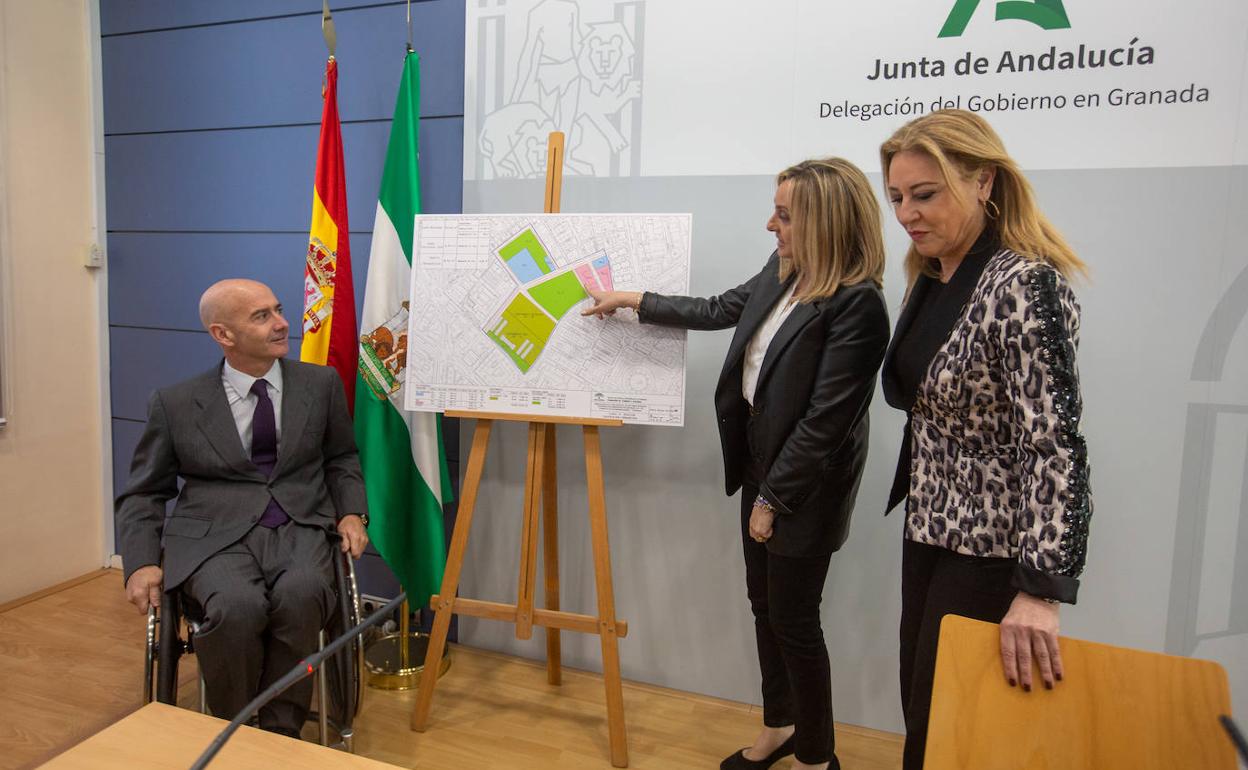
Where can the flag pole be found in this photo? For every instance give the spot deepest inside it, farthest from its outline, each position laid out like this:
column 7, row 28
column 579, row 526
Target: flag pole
column 405, row 634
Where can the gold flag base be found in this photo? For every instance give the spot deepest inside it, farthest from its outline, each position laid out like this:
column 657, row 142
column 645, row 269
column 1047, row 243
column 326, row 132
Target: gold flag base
column 384, row 661
column 395, row 661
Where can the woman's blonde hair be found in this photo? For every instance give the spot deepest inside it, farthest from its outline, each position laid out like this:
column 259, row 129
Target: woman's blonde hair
column 836, row 239
column 963, row 145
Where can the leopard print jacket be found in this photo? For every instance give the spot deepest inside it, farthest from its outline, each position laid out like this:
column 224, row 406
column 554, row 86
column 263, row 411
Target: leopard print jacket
column 998, row 464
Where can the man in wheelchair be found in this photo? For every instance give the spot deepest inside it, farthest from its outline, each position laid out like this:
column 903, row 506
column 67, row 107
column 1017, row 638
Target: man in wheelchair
column 266, row 452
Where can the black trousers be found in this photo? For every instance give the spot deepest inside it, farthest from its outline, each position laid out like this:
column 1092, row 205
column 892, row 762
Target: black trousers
column 936, row 582
column 785, row 593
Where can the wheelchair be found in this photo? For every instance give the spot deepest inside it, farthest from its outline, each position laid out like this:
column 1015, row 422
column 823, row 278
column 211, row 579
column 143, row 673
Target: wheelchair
column 339, row 680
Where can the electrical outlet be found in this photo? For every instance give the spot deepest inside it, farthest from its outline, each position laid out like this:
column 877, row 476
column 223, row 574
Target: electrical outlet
column 370, row 604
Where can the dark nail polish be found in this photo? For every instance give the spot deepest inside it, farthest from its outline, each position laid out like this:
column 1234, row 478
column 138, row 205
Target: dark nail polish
column 1048, row 685
column 1013, row 683
column 1059, row 677
column 1026, row 688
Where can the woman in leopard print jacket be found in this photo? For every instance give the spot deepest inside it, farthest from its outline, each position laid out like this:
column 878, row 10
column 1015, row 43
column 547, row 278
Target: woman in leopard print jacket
column 993, row 468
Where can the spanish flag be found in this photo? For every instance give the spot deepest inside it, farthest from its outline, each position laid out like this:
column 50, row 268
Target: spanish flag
column 329, row 331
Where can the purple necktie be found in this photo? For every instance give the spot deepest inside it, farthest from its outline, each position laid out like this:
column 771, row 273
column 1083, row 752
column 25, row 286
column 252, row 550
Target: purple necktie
column 264, row 448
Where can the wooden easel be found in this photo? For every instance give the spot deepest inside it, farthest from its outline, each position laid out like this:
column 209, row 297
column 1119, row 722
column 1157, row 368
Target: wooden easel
column 540, row 492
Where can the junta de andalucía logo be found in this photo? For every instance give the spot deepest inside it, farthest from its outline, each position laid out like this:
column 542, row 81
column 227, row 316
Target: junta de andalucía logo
column 1047, row 14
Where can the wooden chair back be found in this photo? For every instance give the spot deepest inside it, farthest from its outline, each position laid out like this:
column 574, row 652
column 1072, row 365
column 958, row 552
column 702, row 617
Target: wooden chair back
column 1116, row 708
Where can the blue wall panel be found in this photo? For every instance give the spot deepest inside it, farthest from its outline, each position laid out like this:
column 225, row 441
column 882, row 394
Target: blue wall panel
column 182, row 265
column 125, row 438
column 146, row 359
column 119, row 17
column 270, row 72
column 261, row 179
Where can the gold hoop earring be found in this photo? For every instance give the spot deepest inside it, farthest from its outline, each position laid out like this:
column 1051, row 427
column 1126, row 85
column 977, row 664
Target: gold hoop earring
column 991, row 209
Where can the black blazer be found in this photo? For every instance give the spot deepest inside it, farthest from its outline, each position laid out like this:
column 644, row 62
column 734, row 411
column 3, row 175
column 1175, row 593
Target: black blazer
column 810, row 431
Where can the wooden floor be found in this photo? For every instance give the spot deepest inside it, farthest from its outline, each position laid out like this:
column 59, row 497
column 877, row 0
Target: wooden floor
column 71, row 663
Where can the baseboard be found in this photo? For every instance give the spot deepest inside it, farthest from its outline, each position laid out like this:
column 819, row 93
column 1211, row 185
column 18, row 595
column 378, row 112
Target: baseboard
column 92, row 575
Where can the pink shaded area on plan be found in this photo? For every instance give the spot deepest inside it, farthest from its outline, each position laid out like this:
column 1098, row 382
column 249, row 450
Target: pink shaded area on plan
column 604, row 276
column 603, row 267
column 586, row 276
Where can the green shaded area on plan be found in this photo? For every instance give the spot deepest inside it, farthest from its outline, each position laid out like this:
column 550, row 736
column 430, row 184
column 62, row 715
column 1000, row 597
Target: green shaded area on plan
column 523, row 331
column 558, row 294
column 527, row 243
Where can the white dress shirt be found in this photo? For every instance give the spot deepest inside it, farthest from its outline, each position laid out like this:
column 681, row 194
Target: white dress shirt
column 756, row 351
column 243, row 401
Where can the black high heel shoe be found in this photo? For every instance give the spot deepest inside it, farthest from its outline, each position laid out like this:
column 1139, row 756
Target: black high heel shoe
column 738, row 761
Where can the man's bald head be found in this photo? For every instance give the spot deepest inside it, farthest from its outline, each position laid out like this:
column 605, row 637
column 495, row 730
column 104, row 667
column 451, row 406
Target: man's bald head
column 245, row 319
column 224, row 300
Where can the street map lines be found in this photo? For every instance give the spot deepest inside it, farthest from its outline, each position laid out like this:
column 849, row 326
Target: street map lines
column 494, row 321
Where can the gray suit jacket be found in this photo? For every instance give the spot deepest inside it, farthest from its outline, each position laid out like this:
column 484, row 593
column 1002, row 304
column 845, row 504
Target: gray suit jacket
column 190, row 433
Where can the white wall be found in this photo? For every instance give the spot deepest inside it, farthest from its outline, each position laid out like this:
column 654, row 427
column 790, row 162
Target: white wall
column 52, row 507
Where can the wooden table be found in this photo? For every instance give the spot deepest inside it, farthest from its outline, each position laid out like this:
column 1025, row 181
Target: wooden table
column 162, row 736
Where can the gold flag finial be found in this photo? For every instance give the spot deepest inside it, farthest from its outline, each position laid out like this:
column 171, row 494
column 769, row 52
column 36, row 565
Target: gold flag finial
column 327, row 28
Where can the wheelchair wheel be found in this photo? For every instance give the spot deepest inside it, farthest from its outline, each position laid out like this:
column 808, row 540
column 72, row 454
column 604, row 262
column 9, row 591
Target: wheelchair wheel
column 169, row 648
column 149, row 656
column 357, row 646
column 344, row 671
column 164, row 646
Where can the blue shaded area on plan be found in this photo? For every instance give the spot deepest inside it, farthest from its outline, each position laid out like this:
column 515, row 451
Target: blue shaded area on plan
column 524, row 266
column 602, row 262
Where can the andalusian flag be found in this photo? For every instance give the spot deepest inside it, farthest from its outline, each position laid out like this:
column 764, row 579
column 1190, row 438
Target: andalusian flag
column 329, row 335
column 401, row 452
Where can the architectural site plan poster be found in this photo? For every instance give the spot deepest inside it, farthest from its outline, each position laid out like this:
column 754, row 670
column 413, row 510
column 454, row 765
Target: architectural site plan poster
column 495, row 315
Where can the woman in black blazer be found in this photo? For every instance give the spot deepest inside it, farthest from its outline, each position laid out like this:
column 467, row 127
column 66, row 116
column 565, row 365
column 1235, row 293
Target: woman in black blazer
column 811, row 331
column 993, row 469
